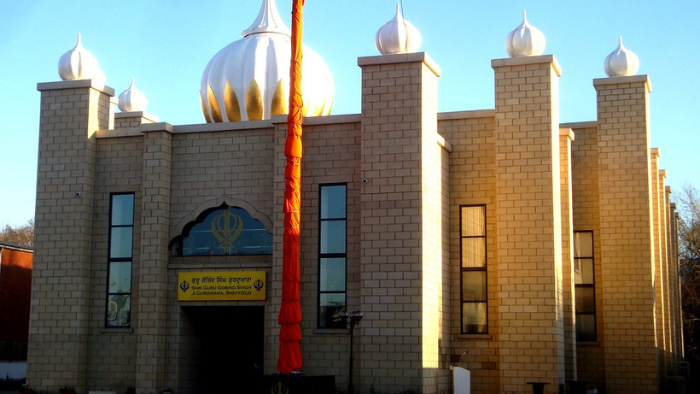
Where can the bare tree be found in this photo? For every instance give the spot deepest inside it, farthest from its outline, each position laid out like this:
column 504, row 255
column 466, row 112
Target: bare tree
column 20, row 236
column 689, row 225
column 688, row 208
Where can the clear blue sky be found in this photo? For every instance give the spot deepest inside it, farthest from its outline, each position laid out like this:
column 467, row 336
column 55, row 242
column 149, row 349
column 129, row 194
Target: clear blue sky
column 165, row 45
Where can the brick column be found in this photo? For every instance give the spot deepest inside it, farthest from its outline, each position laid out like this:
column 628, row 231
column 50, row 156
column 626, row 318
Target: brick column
column 71, row 112
column 626, row 247
column 669, row 351
column 400, row 223
column 566, row 136
column 660, row 278
column 151, row 329
column 674, row 310
column 674, row 282
column 528, row 224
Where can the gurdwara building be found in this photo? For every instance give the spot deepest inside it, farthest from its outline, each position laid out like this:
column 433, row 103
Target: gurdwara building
column 502, row 240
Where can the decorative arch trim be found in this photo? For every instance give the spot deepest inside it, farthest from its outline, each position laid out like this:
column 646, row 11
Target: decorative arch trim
column 216, row 202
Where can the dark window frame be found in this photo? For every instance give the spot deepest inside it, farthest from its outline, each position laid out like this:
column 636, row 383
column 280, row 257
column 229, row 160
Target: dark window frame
column 113, row 261
column 463, row 270
column 322, row 321
column 579, row 336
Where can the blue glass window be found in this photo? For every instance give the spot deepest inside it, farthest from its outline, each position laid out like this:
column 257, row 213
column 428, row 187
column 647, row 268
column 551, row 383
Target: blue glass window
column 121, row 242
column 332, row 256
column 226, row 231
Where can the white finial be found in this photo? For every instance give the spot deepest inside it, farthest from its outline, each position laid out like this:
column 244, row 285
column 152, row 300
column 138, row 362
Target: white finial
column 525, row 40
column 132, row 99
column 397, row 36
column 78, row 63
column 621, row 62
column 268, row 21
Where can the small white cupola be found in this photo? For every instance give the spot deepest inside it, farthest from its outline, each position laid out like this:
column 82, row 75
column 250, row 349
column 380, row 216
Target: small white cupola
column 397, row 36
column 525, row 40
column 621, row 62
column 132, row 99
column 79, row 63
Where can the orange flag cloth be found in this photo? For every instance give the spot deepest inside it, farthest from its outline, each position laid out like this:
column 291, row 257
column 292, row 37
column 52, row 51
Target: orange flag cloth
column 290, row 312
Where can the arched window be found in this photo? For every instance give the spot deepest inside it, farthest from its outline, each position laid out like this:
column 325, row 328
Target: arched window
column 224, row 231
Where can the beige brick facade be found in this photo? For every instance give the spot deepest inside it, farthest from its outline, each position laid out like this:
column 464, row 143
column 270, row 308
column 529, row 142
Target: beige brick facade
column 408, row 172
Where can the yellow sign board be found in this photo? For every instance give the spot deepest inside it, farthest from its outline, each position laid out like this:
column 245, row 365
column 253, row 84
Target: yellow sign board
column 221, row 286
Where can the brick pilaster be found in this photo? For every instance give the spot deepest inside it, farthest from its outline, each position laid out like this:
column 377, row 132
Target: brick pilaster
column 673, row 281
column 659, row 264
column 671, row 355
column 626, row 242
column 400, row 222
column 566, row 136
column 71, row 112
column 151, row 329
column 529, row 228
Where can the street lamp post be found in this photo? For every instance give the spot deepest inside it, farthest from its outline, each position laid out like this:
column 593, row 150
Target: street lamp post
column 351, row 319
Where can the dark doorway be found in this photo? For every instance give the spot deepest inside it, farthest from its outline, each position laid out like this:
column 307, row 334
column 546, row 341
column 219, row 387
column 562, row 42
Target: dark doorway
column 230, row 347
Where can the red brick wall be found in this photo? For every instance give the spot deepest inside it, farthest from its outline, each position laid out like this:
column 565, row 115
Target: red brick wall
column 15, row 291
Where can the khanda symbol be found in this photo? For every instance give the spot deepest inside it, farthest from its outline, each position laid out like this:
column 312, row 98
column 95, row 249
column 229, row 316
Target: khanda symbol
column 226, row 228
column 279, row 388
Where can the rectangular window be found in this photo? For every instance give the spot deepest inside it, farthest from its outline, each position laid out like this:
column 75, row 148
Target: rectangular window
column 121, row 238
column 584, row 280
column 332, row 255
column 473, row 268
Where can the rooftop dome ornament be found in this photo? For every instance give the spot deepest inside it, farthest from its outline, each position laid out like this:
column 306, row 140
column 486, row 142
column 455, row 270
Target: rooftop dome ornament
column 621, row 62
column 79, row 63
column 249, row 78
column 268, row 21
column 132, row 99
column 525, row 40
column 398, row 35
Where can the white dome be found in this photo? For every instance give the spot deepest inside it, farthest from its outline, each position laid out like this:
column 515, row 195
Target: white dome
column 249, row 78
column 525, row 40
column 100, row 79
column 397, row 36
column 132, row 99
column 621, row 62
column 79, row 63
